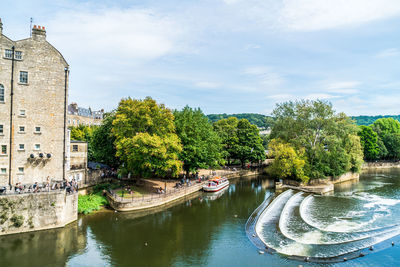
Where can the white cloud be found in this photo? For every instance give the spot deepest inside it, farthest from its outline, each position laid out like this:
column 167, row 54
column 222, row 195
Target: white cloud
column 229, row 2
column 391, row 52
column 114, row 34
column 265, row 76
column 282, row 97
column 320, row 96
column 343, row 87
column 209, row 85
column 311, row 15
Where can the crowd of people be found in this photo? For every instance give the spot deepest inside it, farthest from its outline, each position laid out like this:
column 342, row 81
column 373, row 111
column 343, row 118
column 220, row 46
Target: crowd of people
column 19, row 188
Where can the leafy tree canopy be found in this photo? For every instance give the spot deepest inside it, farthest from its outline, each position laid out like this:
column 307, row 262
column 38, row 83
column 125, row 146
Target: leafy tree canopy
column 369, row 142
column 250, row 145
column 103, row 142
column 227, row 131
column 329, row 140
column 288, row 163
column 201, row 145
column 146, row 142
column 261, row 121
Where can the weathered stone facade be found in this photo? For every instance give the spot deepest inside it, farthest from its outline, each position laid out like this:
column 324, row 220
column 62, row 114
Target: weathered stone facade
column 77, row 161
column 40, row 81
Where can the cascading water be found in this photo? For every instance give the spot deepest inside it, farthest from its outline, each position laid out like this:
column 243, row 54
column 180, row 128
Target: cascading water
column 335, row 227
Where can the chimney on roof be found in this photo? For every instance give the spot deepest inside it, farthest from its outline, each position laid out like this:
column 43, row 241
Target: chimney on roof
column 38, row 33
column 1, row 27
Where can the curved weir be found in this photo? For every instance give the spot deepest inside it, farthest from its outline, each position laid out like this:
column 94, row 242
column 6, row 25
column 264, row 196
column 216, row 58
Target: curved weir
column 281, row 227
column 340, row 226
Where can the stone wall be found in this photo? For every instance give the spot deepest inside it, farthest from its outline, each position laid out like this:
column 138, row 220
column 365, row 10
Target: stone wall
column 39, row 211
column 381, row 165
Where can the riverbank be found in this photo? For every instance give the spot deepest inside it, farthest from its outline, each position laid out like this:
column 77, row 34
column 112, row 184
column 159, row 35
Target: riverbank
column 120, row 203
column 317, row 186
column 381, row 165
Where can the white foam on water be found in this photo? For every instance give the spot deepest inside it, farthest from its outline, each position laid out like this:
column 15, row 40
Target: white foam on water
column 312, row 237
column 287, row 212
column 271, row 213
column 294, row 249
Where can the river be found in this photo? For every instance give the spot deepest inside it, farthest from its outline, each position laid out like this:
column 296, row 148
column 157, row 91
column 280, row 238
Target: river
column 209, row 230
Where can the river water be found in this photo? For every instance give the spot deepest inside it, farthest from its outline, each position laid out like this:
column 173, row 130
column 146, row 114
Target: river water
column 209, row 230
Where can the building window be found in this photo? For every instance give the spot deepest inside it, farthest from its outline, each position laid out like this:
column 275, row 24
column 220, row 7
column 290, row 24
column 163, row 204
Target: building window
column 37, row 146
column 22, row 113
column 74, row 148
column 4, row 149
column 8, row 53
column 1, row 93
column 21, row 147
column 18, row 55
column 22, row 129
column 37, row 129
column 23, row 77
column 3, row 171
column 1, row 129
column 21, row 169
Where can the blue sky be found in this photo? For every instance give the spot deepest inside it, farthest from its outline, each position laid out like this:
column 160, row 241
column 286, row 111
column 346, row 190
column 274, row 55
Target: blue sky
column 224, row 56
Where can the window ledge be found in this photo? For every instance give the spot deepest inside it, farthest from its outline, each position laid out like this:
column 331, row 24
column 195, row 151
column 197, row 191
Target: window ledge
column 21, row 116
column 3, row 174
column 37, row 132
column 2, row 102
column 20, row 150
column 22, row 132
column 23, row 83
column 3, row 155
column 1, row 134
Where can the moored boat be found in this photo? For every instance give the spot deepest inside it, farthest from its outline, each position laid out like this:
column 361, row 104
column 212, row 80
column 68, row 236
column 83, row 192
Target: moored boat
column 215, row 184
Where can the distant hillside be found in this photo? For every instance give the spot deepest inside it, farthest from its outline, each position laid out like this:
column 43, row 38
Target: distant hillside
column 257, row 119
column 367, row 120
column 262, row 121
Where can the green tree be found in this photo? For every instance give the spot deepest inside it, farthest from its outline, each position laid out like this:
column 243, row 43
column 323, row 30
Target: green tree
column 329, row 140
column 369, row 142
column 84, row 133
column 385, row 126
column 250, row 145
column 103, row 142
column 201, row 145
column 392, row 144
column 388, row 131
column 227, row 131
column 287, row 164
column 146, row 141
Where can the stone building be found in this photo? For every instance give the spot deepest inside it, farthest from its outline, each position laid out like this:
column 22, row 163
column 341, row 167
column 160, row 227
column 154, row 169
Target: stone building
column 33, row 104
column 77, row 161
column 83, row 116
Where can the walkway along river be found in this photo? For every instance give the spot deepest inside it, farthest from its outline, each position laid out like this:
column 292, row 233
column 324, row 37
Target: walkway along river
column 204, row 230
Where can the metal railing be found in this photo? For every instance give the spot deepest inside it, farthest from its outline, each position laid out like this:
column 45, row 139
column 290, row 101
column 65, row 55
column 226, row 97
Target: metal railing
column 156, row 196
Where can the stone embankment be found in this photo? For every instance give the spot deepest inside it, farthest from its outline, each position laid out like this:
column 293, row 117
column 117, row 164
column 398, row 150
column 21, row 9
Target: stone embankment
column 381, row 165
column 317, row 186
column 155, row 200
column 21, row 213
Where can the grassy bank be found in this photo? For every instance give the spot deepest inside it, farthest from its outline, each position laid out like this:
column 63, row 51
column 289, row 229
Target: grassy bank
column 95, row 200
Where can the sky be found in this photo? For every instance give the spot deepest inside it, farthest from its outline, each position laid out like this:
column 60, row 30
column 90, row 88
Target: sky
column 224, row 56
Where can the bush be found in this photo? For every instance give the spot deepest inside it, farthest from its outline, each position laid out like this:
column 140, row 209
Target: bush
column 17, row 220
column 90, row 203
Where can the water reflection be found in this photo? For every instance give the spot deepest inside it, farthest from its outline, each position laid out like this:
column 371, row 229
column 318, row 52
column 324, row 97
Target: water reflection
column 43, row 248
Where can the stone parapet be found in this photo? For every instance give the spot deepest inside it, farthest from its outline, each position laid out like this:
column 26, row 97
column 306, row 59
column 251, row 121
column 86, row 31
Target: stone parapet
column 37, row 211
